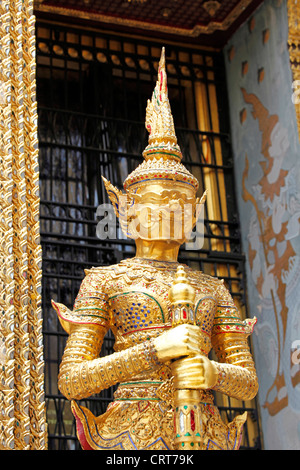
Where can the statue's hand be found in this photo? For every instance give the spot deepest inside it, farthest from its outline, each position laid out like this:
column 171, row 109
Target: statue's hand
column 196, row 372
column 183, row 340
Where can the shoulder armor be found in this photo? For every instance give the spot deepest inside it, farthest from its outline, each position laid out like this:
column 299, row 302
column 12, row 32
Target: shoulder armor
column 227, row 325
column 102, row 270
column 68, row 317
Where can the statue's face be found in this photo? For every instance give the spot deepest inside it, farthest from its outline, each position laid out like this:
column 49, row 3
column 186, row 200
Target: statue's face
column 163, row 212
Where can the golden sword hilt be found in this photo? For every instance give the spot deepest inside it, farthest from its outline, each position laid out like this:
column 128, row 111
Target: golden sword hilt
column 187, row 423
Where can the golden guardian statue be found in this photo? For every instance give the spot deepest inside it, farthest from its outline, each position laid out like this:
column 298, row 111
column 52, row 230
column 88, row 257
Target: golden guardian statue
column 165, row 318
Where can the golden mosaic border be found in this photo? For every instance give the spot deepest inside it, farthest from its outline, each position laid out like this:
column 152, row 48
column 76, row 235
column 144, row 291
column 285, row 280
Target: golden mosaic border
column 22, row 402
column 137, row 24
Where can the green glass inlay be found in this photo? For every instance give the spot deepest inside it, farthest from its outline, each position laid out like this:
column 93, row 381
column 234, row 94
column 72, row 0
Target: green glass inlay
column 137, row 399
column 227, row 316
column 159, row 151
column 89, row 308
column 91, row 315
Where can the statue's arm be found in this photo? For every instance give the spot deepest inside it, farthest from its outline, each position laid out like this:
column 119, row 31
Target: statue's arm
column 82, row 372
column 236, row 370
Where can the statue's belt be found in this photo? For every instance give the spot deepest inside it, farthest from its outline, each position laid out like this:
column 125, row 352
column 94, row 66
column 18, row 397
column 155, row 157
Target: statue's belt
column 154, row 391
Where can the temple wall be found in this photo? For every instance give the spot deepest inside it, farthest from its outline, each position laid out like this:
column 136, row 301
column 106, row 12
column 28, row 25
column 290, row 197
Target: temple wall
column 267, row 169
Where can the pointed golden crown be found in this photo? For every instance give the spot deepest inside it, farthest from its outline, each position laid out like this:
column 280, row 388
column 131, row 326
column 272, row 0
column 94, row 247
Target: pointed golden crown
column 162, row 155
column 159, row 120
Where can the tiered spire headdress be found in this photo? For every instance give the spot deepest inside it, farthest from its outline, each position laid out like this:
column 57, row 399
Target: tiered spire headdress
column 162, row 155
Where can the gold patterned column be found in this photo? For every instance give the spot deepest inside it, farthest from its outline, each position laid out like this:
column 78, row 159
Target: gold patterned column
column 294, row 50
column 22, row 402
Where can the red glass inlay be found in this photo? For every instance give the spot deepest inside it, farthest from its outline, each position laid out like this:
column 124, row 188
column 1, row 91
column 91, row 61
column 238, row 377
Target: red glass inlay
column 192, row 420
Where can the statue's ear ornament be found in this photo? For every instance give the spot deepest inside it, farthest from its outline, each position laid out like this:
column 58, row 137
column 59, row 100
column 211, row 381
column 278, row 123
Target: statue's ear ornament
column 123, row 206
column 199, row 207
column 114, row 195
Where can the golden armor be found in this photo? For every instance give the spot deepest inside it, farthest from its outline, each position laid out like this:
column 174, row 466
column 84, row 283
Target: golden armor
column 165, row 319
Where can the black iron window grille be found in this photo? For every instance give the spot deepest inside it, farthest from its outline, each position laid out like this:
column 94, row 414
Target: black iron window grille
column 92, row 94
